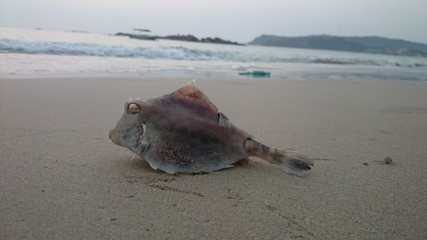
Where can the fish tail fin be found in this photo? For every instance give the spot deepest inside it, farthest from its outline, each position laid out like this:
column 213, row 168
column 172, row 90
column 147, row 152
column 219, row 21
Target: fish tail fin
column 290, row 162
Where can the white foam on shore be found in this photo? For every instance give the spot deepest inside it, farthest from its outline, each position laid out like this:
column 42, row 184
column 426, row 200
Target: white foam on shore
column 8, row 45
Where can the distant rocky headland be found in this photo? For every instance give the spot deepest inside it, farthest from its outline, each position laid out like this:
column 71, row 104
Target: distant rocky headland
column 137, row 36
column 178, row 37
column 354, row 44
column 192, row 38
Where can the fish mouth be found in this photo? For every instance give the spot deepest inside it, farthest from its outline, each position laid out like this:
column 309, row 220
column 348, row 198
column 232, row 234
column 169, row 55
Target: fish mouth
column 114, row 139
column 128, row 140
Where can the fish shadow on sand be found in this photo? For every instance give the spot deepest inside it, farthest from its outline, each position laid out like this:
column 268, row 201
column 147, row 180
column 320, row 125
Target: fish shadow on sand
column 138, row 163
column 159, row 180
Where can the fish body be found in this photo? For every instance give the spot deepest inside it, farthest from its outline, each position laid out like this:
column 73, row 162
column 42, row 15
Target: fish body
column 183, row 132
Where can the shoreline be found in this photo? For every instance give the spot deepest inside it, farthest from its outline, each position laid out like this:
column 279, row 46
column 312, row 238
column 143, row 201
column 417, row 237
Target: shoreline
column 61, row 177
column 222, row 77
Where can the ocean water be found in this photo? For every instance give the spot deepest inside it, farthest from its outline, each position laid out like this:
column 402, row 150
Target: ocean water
column 44, row 53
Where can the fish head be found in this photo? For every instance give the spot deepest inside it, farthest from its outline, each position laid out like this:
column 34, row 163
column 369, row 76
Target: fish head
column 130, row 128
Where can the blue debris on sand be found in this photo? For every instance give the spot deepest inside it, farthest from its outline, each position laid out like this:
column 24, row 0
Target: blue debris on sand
column 256, row 73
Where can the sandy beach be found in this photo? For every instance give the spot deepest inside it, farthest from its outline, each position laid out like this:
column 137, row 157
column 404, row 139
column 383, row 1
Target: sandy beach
column 62, row 178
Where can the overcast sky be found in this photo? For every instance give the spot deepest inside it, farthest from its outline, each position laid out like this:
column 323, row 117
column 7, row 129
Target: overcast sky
column 239, row 20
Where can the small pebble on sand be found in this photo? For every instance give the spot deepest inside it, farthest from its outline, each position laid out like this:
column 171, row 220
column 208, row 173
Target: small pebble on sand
column 387, row 160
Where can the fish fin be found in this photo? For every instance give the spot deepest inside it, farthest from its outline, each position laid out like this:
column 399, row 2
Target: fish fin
column 293, row 163
column 289, row 162
column 191, row 93
column 189, row 97
column 223, row 121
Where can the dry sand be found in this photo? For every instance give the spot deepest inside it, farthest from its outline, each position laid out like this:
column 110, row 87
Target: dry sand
column 62, row 178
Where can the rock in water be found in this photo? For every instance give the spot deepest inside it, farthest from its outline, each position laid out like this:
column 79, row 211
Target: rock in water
column 183, row 132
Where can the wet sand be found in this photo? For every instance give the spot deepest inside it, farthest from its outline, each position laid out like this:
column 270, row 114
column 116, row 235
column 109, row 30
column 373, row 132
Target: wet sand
column 62, row 178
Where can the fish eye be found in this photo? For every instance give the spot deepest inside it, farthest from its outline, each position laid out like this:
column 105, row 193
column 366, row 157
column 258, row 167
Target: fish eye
column 133, row 108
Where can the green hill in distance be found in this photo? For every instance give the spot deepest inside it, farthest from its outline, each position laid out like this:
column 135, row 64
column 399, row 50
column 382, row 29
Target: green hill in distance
column 371, row 44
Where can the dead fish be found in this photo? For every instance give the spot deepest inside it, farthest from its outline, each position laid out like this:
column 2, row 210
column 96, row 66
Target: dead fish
column 183, row 132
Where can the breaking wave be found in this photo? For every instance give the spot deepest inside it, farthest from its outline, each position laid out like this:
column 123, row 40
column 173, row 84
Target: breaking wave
column 93, row 49
column 174, row 53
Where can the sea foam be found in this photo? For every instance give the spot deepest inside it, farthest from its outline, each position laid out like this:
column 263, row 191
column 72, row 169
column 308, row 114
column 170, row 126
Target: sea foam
column 175, row 53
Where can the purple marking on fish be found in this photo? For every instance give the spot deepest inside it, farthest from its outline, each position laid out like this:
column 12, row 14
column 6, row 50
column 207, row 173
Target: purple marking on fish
column 183, row 132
